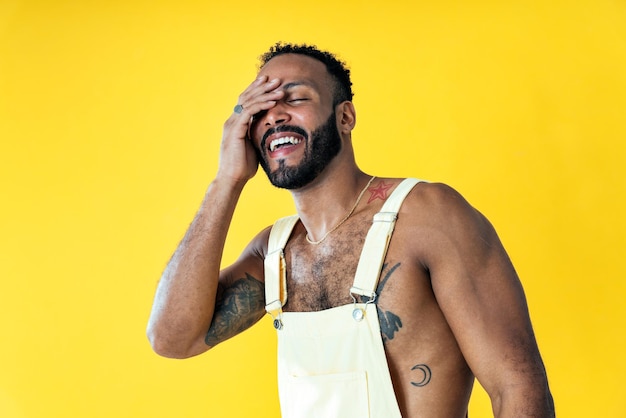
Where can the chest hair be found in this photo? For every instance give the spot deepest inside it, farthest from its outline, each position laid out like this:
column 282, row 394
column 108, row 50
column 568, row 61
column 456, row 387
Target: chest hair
column 320, row 276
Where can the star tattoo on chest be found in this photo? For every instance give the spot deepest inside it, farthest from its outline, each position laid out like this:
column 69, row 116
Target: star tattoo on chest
column 380, row 191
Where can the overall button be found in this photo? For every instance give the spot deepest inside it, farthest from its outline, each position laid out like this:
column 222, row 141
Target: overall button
column 358, row 314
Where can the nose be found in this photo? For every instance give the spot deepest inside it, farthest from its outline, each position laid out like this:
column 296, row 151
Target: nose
column 276, row 115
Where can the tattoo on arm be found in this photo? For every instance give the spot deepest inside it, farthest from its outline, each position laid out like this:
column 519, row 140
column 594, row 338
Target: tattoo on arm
column 236, row 309
column 422, row 375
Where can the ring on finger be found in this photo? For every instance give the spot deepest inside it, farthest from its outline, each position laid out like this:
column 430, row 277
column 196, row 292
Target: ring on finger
column 238, row 109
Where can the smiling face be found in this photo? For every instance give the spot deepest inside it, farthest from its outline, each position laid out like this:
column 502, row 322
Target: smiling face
column 299, row 137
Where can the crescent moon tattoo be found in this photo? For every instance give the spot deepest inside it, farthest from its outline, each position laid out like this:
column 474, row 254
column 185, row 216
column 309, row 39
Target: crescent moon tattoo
column 427, row 375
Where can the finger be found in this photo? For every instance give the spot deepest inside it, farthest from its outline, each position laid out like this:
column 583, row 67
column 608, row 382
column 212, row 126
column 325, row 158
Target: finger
column 258, row 103
column 258, row 90
column 239, row 123
column 261, row 95
column 261, row 85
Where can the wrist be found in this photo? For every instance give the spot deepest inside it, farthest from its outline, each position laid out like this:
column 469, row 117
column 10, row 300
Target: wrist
column 228, row 184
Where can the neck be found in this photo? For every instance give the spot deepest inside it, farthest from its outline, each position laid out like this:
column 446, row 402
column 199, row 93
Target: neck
column 331, row 197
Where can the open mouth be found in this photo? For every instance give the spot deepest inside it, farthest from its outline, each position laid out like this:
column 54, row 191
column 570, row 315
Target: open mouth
column 282, row 139
column 285, row 141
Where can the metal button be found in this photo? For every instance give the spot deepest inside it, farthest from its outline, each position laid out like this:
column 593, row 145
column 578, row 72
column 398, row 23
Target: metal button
column 358, row 314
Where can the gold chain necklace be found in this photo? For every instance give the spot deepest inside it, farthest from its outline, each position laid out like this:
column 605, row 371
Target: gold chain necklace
column 358, row 199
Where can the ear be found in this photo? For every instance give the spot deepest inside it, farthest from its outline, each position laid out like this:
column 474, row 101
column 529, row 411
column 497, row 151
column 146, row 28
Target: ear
column 346, row 117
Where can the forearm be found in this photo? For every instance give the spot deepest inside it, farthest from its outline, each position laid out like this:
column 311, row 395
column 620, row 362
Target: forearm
column 185, row 297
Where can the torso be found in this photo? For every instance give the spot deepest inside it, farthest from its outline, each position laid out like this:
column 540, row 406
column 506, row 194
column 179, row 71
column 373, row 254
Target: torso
column 429, row 374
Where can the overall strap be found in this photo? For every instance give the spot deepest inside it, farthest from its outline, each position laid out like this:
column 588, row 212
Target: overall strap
column 377, row 242
column 275, row 274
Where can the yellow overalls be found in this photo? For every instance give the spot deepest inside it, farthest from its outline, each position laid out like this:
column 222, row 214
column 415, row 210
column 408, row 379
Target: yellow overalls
column 332, row 363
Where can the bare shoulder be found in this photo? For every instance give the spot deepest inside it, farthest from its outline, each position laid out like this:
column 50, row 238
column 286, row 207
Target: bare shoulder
column 442, row 211
column 448, row 235
column 438, row 200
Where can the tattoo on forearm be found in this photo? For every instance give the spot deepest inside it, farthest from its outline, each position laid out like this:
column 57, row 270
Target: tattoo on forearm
column 422, row 375
column 236, row 308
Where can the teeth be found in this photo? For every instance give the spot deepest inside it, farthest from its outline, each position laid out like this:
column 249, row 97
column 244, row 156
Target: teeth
column 284, row 140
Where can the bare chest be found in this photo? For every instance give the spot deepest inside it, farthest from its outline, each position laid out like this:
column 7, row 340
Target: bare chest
column 320, row 276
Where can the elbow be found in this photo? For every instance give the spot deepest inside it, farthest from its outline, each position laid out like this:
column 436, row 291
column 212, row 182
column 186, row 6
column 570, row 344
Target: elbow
column 174, row 348
column 161, row 345
column 532, row 397
column 167, row 350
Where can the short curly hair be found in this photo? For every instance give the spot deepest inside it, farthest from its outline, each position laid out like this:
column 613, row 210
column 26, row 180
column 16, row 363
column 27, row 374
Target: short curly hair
column 335, row 67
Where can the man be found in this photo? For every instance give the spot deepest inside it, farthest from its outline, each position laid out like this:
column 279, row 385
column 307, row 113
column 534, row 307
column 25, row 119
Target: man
column 402, row 332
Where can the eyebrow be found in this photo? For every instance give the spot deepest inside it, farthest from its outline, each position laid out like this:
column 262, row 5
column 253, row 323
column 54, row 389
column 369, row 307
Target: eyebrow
column 293, row 84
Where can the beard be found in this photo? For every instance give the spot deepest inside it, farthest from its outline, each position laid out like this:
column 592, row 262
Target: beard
column 324, row 145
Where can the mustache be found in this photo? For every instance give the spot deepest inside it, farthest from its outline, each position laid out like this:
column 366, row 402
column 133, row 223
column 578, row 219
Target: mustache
column 283, row 128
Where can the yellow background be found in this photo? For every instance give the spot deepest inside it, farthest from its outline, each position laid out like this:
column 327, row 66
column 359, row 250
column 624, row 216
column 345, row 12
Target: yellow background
column 110, row 121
